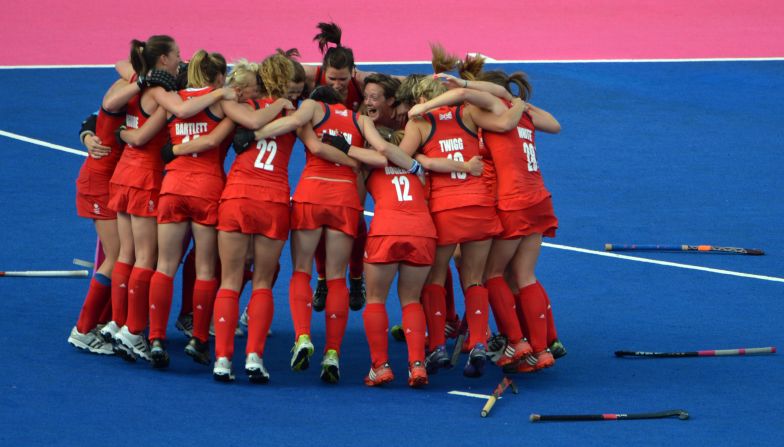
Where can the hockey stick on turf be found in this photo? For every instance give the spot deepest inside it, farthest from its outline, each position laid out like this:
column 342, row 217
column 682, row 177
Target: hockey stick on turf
column 681, row 414
column 700, row 248
column 83, row 263
column 704, row 353
column 505, row 383
column 49, row 273
column 461, row 335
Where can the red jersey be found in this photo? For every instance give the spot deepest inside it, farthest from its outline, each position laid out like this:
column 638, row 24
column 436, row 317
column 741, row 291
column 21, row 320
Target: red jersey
column 401, row 209
column 520, row 183
column 354, row 96
column 262, row 171
column 197, row 175
column 147, row 157
column 105, row 126
column 342, row 192
column 450, row 138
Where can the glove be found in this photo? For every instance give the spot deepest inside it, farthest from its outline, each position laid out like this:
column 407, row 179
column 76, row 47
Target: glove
column 88, row 126
column 158, row 78
column 338, row 141
column 167, row 153
column 117, row 136
column 242, row 139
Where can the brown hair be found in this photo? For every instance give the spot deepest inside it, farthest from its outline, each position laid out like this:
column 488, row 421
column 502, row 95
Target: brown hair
column 470, row 67
column 518, row 79
column 386, row 82
column 204, row 68
column 428, row 88
column 299, row 70
column 144, row 55
column 404, row 93
column 338, row 56
column 275, row 72
column 441, row 60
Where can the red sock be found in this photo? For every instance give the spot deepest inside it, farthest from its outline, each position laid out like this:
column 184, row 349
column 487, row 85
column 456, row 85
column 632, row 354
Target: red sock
column 188, row 279
column 552, row 334
column 534, row 305
column 451, row 313
column 336, row 313
column 477, row 314
column 300, row 302
column 120, row 276
column 203, row 301
column 321, row 257
column 433, row 302
column 356, row 265
column 99, row 293
column 376, row 327
column 138, row 297
column 414, row 328
column 503, row 304
column 161, row 290
column 260, row 312
column 106, row 313
column 227, row 309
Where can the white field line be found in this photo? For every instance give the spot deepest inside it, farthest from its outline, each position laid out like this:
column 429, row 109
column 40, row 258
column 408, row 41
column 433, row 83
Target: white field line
column 489, row 60
column 544, row 244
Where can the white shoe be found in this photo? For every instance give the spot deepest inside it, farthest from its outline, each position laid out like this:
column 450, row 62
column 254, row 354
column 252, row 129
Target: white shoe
column 244, row 322
column 109, row 330
column 254, row 368
column 137, row 343
column 222, row 370
column 185, row 324
column 90, row 341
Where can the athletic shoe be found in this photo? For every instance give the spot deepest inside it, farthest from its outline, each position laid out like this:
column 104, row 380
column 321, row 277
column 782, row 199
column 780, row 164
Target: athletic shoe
column 302, row 350
column 397, row 333
column 185, row 324
column 160, row 358
column 452, row 326
column 437, row 359
column 330, row 367
column 522, row 349
column 379, row 376
column 90, row 341
column 136, row 343
column 356, row 293
column 527, row 364
column 417, row 375
column 108, row 331
column 198, row 350
column 544, row 360
column 557, row 349
column 496, row 348
column 254, row 368
column 320, row 295
column 476, row 361
column 222, row 370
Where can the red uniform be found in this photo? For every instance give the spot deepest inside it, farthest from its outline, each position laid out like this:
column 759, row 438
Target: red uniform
column 402, row 229
column 327, row 192
column 92, row 185
column 463, row 206
column 524, row 203
column 193, row 183
column 256, row 197
column 136, row 182
column 354, row 96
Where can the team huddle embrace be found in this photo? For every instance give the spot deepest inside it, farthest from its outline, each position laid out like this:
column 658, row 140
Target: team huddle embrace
column 450, row 163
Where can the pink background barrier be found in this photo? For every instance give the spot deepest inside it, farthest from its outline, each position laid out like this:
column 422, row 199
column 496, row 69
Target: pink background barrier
column 36, row 32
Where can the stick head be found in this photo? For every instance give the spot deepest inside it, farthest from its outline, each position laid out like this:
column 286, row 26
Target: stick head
column 683, row 415
column 533, row 417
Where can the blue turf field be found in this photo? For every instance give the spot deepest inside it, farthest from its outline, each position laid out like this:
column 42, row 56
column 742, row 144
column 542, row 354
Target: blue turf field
column 664, row 153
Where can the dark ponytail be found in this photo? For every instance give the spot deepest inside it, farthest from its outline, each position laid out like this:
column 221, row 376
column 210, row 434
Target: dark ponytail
column 336, row 56
column 144, row 55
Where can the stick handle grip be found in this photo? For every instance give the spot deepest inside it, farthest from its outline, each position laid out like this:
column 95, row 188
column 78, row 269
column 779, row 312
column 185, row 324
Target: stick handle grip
column 488, row 406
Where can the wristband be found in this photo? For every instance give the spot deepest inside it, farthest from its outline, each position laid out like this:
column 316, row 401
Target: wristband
column 416, row 168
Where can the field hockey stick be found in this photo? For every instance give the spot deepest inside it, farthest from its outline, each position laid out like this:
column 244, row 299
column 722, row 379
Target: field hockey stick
column 700, row 248
column 704, row 353
column 681, row 414
column 499, row 390
column 83, row 263
column 461, row 335
column 49, row 274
